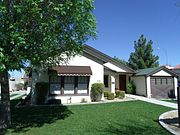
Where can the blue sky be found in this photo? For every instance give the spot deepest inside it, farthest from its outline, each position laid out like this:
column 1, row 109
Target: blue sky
column 121, row 22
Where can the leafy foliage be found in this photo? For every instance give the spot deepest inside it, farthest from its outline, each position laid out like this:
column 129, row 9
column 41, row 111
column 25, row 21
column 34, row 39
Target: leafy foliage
column 37, row 31
column 106, row 93
column 110, row 96
column 96, row 91
column 120, row 94
column 143, row 56
column 120, row 61
column 131, row 88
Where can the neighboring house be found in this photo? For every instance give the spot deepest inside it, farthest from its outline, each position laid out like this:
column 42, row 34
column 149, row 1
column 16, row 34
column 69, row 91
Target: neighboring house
column 159, row 82
column 16, row 84
column 72, row 81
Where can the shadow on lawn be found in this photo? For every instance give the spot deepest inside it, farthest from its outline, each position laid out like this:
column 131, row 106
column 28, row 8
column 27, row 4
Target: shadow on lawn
column 133, row 128
column 27, row 117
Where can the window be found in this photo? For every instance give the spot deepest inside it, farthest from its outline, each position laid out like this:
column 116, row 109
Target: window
column 55, row 79
column 82, row 80
column 69, row 80
column 106, row 80
column 164, row 81
column 169, row 81
column 55, row 84
column 82, row 84
column 158, row 81
column 153, row 81
column 69, row 84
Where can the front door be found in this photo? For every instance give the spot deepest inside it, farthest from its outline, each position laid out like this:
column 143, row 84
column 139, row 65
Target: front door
column 122, row 82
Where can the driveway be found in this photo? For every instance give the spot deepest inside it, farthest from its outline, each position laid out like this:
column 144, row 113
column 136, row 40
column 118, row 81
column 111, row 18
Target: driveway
column 153, row 101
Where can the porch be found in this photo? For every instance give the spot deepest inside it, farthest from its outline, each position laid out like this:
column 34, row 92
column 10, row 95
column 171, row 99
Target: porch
column 114, row 80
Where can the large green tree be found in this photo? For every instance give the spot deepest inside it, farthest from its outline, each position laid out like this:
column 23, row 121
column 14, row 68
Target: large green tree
column 143, row 56
column 36, row 32
column 122, row 61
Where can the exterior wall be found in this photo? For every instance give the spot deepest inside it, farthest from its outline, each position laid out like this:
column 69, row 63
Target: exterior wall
column 96, row 77
column 12, row 84
column 72, row 99
column 97, row 69
column 140, row 82
column 161, row 73
column 112, row 80
column 148, row 86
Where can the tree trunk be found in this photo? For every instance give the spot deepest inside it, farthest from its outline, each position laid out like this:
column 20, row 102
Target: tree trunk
column 5, row 116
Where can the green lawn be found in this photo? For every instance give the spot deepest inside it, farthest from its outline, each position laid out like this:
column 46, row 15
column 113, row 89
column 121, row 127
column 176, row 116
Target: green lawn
column 170, row 100
column 125, row 118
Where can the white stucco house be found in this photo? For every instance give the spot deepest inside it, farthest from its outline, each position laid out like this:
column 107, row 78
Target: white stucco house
column 159, row 82
column 73, row 80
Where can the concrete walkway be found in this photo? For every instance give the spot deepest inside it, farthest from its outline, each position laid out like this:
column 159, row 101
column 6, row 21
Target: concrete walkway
column 154, row 101
column 19, row 94
column 169, row 120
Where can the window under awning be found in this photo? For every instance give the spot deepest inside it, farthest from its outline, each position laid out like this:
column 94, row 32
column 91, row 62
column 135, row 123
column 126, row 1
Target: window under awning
column 71, row 70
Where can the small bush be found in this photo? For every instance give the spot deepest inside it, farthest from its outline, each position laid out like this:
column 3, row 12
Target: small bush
column 106, row 93
column 120, row 94
column 41, row 90
column 54, row 101
column 131, row 88
column 96, row 91
column 110, row 96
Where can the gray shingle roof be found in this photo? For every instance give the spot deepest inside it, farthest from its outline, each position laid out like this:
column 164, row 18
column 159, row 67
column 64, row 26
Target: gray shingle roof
column 151, row 71
column 146, row 71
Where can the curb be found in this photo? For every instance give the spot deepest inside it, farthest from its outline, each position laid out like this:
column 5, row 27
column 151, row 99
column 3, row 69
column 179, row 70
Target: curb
column 164, row 125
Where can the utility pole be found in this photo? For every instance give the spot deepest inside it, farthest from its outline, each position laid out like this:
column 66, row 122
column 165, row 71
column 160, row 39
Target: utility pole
column 178, row 101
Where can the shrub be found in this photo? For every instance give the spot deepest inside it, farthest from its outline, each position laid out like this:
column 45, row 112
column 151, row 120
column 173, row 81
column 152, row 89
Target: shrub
column 120, row 94
column 131, row 88
column 54, row 101
column 41, row 90
column 96, row 91
column 110, row 96
column 106, row 93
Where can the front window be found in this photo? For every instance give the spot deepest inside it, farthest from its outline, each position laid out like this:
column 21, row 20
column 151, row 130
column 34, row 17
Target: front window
column 106, row 81
column 69, row 85
column 55, row 85
column 82, row 84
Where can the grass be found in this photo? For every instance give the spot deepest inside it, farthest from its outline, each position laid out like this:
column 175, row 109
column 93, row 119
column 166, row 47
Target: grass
column 125, row 118
column 170, row 100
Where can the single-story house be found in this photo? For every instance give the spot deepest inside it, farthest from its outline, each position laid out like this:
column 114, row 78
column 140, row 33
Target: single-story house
column 72, row 81
column 158, row 82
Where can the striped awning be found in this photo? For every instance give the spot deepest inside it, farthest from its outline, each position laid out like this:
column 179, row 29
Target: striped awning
column 71, row 70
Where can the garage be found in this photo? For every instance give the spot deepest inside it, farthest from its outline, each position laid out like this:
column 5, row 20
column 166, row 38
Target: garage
column 158, row 82
column 162, row 87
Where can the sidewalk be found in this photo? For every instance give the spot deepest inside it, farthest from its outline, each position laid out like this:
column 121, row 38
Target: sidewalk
column 20, row 94
column 154, row 101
